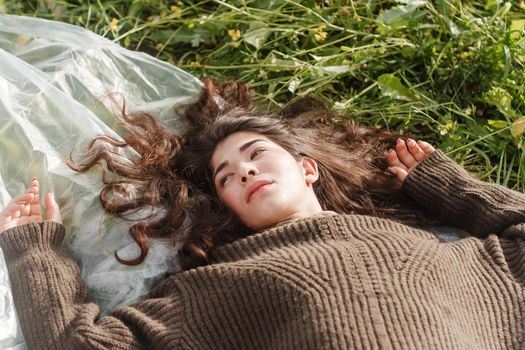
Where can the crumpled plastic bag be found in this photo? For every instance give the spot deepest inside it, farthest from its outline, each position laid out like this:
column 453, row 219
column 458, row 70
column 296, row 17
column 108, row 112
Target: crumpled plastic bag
column 56, row 81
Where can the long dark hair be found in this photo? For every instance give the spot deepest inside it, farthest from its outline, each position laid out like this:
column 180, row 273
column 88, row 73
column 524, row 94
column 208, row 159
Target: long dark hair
column 172, row 171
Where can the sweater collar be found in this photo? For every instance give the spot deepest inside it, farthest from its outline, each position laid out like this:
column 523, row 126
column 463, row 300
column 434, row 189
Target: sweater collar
column 289, row 232
column 289, row 221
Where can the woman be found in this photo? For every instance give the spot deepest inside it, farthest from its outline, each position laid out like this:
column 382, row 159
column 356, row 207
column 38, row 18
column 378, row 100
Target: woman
column 316, row 259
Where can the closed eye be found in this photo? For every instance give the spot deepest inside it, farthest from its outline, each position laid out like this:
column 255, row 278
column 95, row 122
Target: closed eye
column 224, row 178
column 256, row 152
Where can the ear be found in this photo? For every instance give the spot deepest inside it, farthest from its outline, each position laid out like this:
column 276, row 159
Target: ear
column 310, row 170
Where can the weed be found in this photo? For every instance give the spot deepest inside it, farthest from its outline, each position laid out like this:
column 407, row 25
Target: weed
column 450, row 72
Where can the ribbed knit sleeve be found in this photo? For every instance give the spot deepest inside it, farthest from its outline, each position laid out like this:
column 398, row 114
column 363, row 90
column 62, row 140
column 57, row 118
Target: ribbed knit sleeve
column 53, row 304
column 448, row 191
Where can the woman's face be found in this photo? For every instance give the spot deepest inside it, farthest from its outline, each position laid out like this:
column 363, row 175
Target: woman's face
column 261, row 182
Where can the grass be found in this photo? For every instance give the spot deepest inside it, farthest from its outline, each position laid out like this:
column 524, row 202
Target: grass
column 450, row 72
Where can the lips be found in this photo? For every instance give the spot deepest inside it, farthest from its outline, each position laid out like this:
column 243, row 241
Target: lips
column 254, row 187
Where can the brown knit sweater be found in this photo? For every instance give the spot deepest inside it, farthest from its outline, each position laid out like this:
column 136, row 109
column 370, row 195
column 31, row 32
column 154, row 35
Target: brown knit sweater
column 325, row 282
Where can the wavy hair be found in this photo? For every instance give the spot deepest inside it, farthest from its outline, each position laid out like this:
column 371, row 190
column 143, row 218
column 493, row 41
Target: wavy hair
column 171, row 172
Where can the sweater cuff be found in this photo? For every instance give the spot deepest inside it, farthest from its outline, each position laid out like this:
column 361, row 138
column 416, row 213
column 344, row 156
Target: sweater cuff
column 35, row 235
column 437, row 183
column 434, row 178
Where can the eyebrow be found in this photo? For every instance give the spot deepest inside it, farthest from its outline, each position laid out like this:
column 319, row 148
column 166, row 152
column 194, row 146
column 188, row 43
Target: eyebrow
column 241, row 149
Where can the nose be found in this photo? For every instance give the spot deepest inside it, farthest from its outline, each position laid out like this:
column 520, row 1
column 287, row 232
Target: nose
column 247, row 171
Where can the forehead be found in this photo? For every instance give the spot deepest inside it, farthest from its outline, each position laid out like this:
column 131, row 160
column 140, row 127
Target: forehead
column 230, row 145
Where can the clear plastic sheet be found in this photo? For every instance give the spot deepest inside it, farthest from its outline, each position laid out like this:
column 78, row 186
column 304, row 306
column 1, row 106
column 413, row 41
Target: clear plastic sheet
column 55, row 83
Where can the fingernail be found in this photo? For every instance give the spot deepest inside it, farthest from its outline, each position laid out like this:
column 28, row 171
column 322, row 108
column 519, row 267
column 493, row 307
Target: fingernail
column 399, row 140
column 52, row 193
column 34, row 178
column 391, row 150
column 391, row 170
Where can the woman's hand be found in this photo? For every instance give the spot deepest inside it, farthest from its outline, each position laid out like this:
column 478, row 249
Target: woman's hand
column 407, row 156
column 25, row 208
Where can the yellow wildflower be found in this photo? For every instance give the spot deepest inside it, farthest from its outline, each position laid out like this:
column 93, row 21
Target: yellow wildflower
column 465, row 54
column 467, row 111
column 447, row 127
column 320, row 34
column 320, row 28
column 344, row 10
column 235, row 34
column 195, row 64
column 176, row 10
column 114, row 24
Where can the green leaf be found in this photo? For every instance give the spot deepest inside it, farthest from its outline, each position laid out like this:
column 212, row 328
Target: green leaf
column 336, row 69
column 518, row 127
column 268, row 5
column 500, row 98
column 293, row 85
column 498, row 124
column 280, row 64
column 135, row 8
column 490, row 4
column 516, row 28
column 401, row 15
column 185, row 35
column 454, row 30
column 256, row 35
column 392, row 87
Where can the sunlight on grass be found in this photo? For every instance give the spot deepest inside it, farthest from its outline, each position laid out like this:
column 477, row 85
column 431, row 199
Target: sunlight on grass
column 450, row 72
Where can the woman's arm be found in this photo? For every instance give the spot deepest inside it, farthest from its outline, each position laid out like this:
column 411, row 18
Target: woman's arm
column 52, row 301
column 444, row 188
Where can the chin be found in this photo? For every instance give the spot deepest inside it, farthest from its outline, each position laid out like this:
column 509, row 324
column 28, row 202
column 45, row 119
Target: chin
column 269, row 210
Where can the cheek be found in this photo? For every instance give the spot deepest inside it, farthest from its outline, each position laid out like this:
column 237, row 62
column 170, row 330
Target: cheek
column 229, row 197
column 289, row 172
